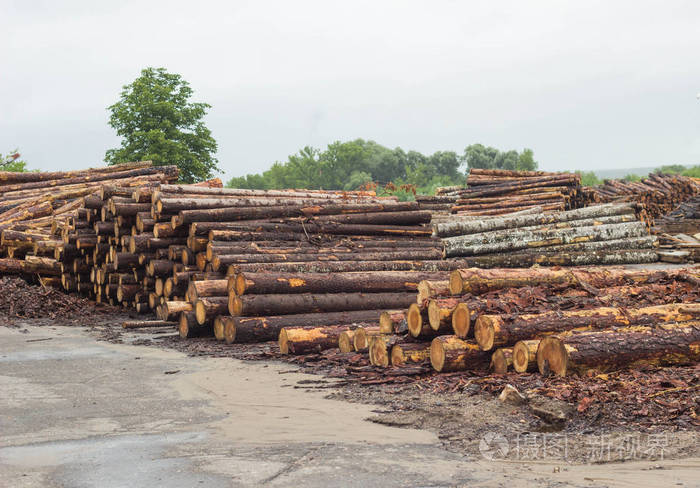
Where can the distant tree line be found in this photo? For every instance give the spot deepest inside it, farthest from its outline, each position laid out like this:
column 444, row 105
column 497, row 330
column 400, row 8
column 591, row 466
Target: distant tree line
column 12, row 161
column 589, row 178
column 354, row 164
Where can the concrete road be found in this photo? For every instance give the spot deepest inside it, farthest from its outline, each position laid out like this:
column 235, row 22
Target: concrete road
column 75, row 412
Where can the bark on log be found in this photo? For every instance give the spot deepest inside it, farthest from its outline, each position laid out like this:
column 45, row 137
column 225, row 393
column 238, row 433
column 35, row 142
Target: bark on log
column 347, row 266
column 518, row 240
column 501, row 330
column 402, row 354
column 207, row 288
column 301, row 340
column 449, row 353
column 171, row 310
column 670, row 344
column 188, row 326
column 478, row 281
column 457, row 228
column 140, row 324
column 207, row 308
column 262, row 329
column 260, row 305
column 429, row 288
column 375, row 282
column 393, row 322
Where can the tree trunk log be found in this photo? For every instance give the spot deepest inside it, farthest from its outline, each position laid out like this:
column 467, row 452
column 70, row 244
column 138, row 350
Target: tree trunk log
column 670, row 344
column 525, row 355
column 402, row 354
column 302, row 340
column 502, row 360
column 449, row 353
column 257, row 305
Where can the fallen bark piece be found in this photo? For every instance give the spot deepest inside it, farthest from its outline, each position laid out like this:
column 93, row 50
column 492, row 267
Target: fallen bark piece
column 512, row 396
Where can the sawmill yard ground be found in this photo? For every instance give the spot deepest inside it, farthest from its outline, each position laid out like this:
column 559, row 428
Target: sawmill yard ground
column 95, row 405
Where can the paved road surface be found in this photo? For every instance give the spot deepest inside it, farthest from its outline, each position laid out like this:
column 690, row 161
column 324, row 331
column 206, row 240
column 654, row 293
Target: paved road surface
column 76, row 412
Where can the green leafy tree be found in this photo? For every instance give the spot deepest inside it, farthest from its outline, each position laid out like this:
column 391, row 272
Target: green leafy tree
column 483, row 157
column 157, row 121
column 693, row 172
column 589, row 178
column 13, row 162
column 671, row 168
column 632, row 177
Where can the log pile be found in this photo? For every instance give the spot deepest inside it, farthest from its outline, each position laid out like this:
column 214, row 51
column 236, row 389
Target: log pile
column 498, row 192
column 660, row 193
column 557, row 321
column 601, row 234
column 47, row 225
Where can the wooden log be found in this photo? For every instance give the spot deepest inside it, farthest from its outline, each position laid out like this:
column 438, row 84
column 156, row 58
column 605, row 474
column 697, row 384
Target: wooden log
column 314, row 228
column 417, row 322
column 170, row 310
column 302, row 340
column 220, row 262
column 500, row 330
column 347, row 266
column 258, row 305
column 188, row 326
column 457, row 228
column 518, row 240
column 478, row 281
column 238, row 192
column 402, row 354
column 345, row 343
column 449, row 315
column 525, row 355
column 374, row 282
column 207, row 308
column 449, row 353
column 380, row 347
column 142, row 324
column 11, row 177
column 362, row 335
column 667, row 344
column 430, row 288
column 262, row 329
column 502, row 360
column 207, row 288
column 393, row 322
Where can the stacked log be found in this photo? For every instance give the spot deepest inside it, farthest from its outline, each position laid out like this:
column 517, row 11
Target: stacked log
column 660, row 193
column 601, row 234
column 497, row 318
column 498, row 192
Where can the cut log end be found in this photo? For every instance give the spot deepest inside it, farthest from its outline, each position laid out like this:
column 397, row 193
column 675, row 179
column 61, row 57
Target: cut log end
column 484, row 333
column 501, row 360
column 345, row 341
column 434, row 314
column 229, row 326
column 283, row 342
column 379, row 355
column 456, row 283
column 239, row 284
column 461, row 320
column 552, row 356
column 437, row 355
column 414, row 320
column 219, row 332
column 523, row 355
column 183, row 326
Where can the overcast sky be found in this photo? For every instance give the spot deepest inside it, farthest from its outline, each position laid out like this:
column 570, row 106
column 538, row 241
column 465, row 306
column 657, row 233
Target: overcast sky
column 586, row 85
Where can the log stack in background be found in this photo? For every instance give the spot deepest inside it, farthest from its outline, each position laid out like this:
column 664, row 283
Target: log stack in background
column 44, row 219
column 601, row 234
column 498, row 192
column 660, row 193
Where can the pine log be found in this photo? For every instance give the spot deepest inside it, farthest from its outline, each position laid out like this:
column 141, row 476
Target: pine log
column 345, row 341
column 429, row 288
column 374, row 282
column 410, row 353
column 449, row 353
column 502, row 360
column 188, row 326
column 302, row 340
column 478, row 281
column 170, row 310
column 206, row 288
column 503, row 330
column 380, row 347
column 140, row 324
column 257, row 305
column 525, row 355
column 393, row 322
column 362, row 335
column 207, row 308
column 348, row 266
column 449, row 315
column 667, row 344
column 262, row 329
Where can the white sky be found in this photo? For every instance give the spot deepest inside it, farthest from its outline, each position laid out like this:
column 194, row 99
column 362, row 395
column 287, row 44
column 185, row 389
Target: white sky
column 586, row 85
